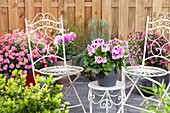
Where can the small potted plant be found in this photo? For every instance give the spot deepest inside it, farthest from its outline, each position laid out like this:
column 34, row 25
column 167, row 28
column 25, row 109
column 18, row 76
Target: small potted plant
column 136, row 49
column 14, row 54
column 69, row 41
column 105, row 60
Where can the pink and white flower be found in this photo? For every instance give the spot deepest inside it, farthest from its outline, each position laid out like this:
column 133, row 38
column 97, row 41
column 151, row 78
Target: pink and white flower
column 117, row 52
column 100, row 60
column 105, row 48
column 98, row 42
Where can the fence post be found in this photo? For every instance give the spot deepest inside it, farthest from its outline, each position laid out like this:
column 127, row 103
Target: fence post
column 46, row 6
column 13, row 18
column 1, row 32
column 96, row 9
column 106, row 14
column 140, row 15
column 29, row 9
column 123, row 20
column 80, row 12
column 61, row 7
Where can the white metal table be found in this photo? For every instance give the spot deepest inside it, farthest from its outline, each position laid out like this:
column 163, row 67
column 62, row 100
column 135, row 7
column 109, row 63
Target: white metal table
column 106, row 100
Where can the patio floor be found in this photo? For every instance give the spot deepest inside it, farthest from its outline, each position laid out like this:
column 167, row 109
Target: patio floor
column 82, row 88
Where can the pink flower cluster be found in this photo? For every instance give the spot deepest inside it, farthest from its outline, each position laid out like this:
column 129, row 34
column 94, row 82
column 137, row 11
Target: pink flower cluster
column 67, row 37
column 100, row 60
column 112, row 47
column 155, row 45
column 14, row 52
column 117, row 52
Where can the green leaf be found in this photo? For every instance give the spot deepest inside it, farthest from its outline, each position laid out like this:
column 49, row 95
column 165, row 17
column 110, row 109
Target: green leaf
column 95, row 70
column 87, row 69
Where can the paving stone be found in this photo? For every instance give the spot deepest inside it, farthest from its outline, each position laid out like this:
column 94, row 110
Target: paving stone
column 81, row 86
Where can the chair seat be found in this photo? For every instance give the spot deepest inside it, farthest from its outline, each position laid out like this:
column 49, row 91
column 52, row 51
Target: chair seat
column 61, row 70
column 145, row 71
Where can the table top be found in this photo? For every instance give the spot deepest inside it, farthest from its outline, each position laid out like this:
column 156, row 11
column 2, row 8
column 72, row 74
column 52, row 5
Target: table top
column 94, row 85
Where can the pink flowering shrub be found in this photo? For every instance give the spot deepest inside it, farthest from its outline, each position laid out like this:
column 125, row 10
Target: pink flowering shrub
column 101, row 56
column 15, row 54
column 69, row 39
column 136, row 48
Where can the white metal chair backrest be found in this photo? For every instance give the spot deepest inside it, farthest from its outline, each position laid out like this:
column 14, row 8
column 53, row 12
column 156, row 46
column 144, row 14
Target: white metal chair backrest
column 47, row 27
column 160, row 24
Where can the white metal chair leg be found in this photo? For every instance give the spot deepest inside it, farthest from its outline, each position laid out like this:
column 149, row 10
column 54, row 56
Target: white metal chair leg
column 77, row 76
column 133, row 86
column 72, row 85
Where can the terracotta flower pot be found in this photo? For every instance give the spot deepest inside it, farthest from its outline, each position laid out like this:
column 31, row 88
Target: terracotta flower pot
column 30, row 79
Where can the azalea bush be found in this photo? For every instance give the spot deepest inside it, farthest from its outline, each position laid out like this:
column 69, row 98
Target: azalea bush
column 69, row 41
column 16, row 98
column 136, row 48
column 14, row 52
column 101, row 56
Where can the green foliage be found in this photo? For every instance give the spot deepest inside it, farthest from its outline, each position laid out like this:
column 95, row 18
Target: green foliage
column 96, row 29
column 16, row 98
column 157, row 92
column 90, row 63
column 78, row 42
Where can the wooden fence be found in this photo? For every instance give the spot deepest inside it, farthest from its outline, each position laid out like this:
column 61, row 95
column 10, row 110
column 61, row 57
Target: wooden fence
column 124, row 16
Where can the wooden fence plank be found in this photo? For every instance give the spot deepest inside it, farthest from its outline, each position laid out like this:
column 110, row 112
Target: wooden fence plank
column 140, row 15
column 66, row 12
column 21, row 18
column 1, row 32
column 157, row 7
column 106, row 13
column 61, row 7
column 71, row 12
column 123, row 20
column 131, row 23
column 80, row 18
column 96, row 9
column 46, row 6
column 13, row 20
column 54, row 10
column 29, row 9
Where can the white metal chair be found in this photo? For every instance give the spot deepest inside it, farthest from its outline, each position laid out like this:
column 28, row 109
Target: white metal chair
column 48, row 26
column 161, row 24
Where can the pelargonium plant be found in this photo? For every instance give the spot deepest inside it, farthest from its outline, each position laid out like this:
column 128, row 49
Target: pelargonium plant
column 136, row 48
column 69, row 39
column 15, row 54
column 103, row 57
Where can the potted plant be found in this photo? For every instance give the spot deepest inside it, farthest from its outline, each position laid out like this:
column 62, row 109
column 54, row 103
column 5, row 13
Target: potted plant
column 96, row 28
column 16, row 98
column 136, row 49
column 105, row 60
column 14, row 53
column 69, row 41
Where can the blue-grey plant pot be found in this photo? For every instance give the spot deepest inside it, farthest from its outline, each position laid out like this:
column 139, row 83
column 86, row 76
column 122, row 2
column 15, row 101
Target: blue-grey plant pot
column 107, row 80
